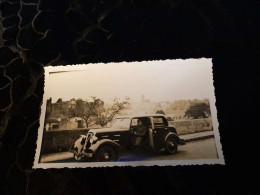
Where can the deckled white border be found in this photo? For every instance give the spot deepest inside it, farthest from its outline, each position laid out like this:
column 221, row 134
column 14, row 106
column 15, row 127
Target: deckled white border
column 50, row 69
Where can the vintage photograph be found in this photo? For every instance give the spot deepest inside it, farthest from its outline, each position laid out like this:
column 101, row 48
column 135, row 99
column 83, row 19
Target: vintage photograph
column 129, row 114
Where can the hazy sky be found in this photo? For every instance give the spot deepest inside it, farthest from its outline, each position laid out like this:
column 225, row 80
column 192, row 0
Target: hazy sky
column 156, row 80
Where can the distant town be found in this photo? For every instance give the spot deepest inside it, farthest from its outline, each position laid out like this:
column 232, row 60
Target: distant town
column 95, row 113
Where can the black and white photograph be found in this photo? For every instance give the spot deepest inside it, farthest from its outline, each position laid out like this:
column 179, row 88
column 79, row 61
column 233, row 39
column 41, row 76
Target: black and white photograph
column 129, row 114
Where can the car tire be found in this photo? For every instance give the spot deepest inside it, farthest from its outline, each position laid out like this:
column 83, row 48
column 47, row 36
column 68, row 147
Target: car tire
column 171, row 145
column 105, row 154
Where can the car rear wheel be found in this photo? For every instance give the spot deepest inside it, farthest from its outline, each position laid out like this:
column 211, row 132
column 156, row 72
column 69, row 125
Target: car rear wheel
column 171, row 146
column 105, row 154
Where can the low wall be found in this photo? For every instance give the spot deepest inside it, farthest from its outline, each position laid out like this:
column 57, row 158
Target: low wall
column 192, row 126
column 60, row 140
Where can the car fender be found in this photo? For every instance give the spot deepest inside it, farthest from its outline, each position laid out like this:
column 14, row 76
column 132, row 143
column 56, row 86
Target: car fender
column 180, row 141
column 103, row 142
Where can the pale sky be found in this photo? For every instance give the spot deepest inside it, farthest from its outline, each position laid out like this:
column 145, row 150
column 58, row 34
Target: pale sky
column 157, row 80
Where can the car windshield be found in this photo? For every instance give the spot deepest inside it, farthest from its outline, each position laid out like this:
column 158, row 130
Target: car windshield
column 121, row 123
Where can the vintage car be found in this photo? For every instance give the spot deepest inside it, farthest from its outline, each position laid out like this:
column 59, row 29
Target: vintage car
column 128, row 133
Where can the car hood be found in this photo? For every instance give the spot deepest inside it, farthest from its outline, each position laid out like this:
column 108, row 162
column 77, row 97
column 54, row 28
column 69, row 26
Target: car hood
column 107, row 130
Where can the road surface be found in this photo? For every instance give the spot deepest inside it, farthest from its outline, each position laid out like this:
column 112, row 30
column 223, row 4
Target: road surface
column 201, row 149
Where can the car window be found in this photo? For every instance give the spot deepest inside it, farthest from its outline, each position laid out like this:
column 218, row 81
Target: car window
column 158, row 121
column 134, row 122
column 145, row 121
column 121, row 123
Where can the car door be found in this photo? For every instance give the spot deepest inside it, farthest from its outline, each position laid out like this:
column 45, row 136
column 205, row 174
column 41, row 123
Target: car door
column 146, row 124
column 160, row 130
column 123, row 137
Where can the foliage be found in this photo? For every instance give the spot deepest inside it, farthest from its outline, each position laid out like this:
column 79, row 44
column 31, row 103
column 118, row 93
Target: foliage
column 97, row 111
column 82, row 109
column 160, row 112
column 48, row 110
column 105, row 114
column 198, row 110
column 169, row 118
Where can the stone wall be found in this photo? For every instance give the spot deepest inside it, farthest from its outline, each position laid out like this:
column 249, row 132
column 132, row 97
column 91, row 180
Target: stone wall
column 60, row 140
column 192, row 126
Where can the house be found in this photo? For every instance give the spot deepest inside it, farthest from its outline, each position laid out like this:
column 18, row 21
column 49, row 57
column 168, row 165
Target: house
column 64, row 123
column 51, row 124
column 72, row 123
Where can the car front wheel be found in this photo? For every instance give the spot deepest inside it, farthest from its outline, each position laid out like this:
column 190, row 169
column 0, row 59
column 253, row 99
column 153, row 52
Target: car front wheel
column 171, row 146
column 105, row 154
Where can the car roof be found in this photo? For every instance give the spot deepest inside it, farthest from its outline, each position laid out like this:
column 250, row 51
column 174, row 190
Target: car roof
column 141, row 115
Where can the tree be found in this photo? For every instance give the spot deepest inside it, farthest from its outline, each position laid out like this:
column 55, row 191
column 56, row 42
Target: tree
column 169, row 119
column 97, row 111
column 48, row 109
column 83, row 110
column 198, row 110
column 105, row 114
column 59, row 100
column 160, row 112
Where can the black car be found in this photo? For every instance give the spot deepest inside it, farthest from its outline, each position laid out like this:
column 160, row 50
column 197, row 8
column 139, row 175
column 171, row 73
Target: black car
column 128, row 133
